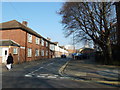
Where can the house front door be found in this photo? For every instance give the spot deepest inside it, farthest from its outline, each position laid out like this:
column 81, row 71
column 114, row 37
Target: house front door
column 4, row 54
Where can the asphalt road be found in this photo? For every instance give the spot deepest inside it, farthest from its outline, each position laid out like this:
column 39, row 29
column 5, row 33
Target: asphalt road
column 43, row 75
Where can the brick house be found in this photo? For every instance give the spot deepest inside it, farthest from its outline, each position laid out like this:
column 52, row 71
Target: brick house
column 32, row 46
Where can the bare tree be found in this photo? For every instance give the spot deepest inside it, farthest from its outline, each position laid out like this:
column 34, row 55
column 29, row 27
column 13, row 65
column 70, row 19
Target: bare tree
column 91, row 21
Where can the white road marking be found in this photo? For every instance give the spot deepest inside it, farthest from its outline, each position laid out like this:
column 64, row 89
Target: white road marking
column 40, row 76
column 62, row 68
column 49, row 64
column 56, row 75
column 31, row 73
column 63, row 77
column 51, row 77
column 28, row 75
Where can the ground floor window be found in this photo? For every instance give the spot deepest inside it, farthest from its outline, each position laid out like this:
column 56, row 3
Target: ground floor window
column 0, row 51
column 42, row 52
column 46, row 53
column 15, row 50
column 36, row 52
column 29, row 52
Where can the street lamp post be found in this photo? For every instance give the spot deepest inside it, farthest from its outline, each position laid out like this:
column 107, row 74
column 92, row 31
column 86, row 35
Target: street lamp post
column 73, row 43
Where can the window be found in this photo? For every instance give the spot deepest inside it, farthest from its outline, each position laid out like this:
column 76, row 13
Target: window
column 37, row 40
column 5, row 52
column 36, row 52
column 42, row 52
column 15, row 51
column 46, row 44
column 0, row 51
column 29, row 52
column 42, row 42
column 30, row 38
column 46, row 53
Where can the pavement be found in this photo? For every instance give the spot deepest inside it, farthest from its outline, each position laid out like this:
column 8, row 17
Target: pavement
column 90, row 71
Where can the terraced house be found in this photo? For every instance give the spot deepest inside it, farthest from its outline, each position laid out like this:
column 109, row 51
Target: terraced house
column 23, row 42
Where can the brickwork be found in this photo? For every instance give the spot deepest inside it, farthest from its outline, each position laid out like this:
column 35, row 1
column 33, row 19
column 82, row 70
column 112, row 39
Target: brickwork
column 20, row 37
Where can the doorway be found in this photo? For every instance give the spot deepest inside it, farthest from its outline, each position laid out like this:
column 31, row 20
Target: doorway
column 4, row 54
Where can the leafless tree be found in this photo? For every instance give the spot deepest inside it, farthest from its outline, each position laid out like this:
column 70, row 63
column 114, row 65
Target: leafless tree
column 91, row 21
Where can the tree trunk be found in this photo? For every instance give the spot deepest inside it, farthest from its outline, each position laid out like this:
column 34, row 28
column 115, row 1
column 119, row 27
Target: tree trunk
column 108, row 53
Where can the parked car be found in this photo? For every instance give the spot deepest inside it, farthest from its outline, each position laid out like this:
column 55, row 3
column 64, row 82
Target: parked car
column 80, row 56
column 77, row 55
column 63, row 56
column 73, row 55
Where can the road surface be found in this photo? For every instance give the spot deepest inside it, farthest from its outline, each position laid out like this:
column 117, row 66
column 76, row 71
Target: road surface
column 43, row 75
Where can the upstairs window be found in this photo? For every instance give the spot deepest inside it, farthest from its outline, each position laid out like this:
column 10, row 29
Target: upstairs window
column 46, row 44
column 37, row 40
column 30, row 38
column 42, row 42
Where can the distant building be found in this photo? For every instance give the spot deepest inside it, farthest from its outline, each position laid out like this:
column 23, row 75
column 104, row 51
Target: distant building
column 87, row 50
column 70, row 48
column 59, row 50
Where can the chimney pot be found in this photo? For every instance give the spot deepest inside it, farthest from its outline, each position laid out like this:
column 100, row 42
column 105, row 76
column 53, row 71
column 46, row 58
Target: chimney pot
column 48, row 38
column 24, row 23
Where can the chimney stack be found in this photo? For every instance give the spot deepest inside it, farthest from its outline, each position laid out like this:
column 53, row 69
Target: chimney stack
column 49, row 39
column 24, row 23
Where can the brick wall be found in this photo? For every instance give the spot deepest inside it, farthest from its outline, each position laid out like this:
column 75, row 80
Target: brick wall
column 15, row 56
column 20, row 37
column 16, row 35
column 33, row 46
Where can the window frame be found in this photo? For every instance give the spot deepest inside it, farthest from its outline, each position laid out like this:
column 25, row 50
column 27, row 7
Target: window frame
column 15, row 50
column 47, row 44
column 42, row 42
column 37, row 40
column 37, row 52
column 46, row 52
column 29, row 52
column 29, row 38
column 42, row 52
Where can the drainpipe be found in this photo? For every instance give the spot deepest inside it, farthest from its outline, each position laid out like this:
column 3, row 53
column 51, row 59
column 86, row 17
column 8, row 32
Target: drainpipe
column 26, row 48
column 18, row 55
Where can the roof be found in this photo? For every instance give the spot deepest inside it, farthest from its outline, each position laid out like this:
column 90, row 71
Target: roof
column 52, row 43
column 17, row 25
column 88, row 49
column 55, row 43
column 8, row 43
